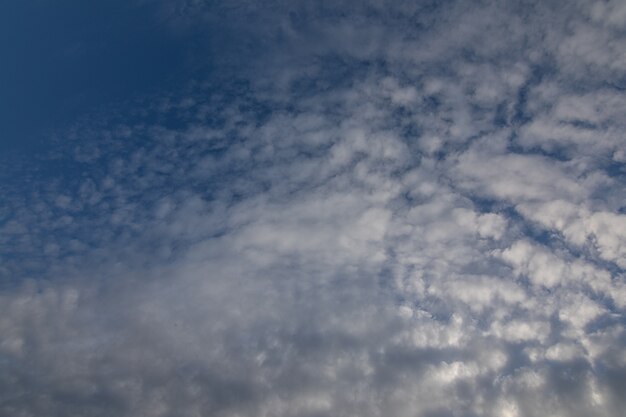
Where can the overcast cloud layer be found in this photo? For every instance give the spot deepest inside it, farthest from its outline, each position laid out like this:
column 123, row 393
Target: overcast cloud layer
column 379, row 208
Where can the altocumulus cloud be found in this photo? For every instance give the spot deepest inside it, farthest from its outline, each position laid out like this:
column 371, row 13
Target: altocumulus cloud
column 387, row 208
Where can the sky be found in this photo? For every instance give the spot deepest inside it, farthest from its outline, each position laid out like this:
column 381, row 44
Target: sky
column 375, row 208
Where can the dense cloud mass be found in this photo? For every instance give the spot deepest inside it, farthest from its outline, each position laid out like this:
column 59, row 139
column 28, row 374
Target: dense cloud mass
column 380, row 208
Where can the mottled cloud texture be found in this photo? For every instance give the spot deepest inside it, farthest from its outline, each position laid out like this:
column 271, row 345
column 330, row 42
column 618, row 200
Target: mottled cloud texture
column 382, row 208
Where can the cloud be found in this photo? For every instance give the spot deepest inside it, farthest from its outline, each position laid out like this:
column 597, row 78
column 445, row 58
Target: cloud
column 401, row 210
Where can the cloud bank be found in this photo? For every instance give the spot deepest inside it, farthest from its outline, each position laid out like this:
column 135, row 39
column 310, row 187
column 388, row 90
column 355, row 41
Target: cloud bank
column 388, row 209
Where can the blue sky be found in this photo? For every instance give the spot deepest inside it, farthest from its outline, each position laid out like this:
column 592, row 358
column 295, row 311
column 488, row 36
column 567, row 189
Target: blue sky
column 67, row 59
column 374, row 208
